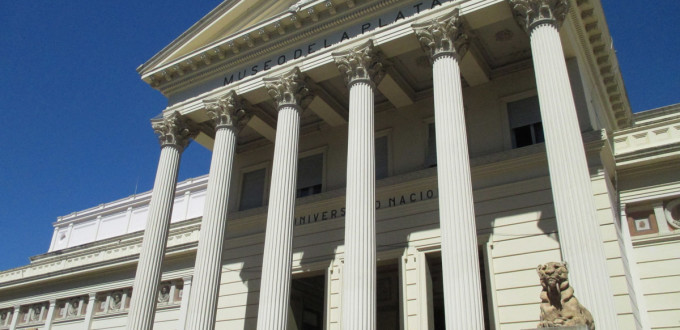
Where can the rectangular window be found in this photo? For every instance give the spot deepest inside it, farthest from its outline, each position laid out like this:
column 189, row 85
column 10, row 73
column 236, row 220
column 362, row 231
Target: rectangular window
column 524, row 117
column 307, row 297
column 431, row 158
column 252, row 189
column 381, row 158
column 310, row 175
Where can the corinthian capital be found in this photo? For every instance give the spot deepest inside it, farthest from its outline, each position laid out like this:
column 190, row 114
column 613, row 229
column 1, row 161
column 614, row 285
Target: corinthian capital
column 443, row 35
column 531, row 13
column 289, row 89
column 228, row 111
column 361, row 63
column 173, row 130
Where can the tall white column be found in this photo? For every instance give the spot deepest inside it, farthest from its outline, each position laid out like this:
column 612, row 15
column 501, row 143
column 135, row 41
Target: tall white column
column 230, row 116
column 174, row 134
column 577, row 224
column 50, row 315
column 446, row 42
column 291, row 94
column 363, row 70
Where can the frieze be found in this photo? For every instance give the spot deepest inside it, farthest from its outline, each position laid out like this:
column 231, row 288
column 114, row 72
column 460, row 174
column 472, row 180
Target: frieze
column 304, row 49
column 381, row 203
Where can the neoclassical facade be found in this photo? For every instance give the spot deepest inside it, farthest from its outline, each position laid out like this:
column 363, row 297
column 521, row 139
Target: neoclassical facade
column 379, row 165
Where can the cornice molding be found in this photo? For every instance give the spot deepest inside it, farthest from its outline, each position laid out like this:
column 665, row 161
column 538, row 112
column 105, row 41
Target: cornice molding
column 587, row 17
column 221, row 56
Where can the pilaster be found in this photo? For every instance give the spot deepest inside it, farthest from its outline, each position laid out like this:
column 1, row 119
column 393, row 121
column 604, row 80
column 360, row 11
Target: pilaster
column 50, row 315
column 446, row 42
column 291, row 95
column 89, row 313
column 578, row 228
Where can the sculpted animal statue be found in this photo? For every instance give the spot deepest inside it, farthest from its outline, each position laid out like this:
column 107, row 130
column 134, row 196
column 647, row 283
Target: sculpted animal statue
column 559, row 307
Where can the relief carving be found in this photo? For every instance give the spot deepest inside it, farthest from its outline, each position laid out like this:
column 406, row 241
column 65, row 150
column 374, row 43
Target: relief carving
column 174, row 130
column 228, row 111
column 443, row 35
column 559, row 306
column 164, row 293
column 116, row 301
column 289, row 89
column 72, row 307
column 531, row 13
column 361, row 63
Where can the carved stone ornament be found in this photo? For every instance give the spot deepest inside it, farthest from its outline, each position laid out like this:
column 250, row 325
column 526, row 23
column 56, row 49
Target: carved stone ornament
column 72, row 307
column 361, row 63
column 559, row 306
column 228, row 111
column 35, row 313
column 443, row 35
column 289, row 89
column 164, row 293
column 531, row 13
column 115, row 304
column 173, row 130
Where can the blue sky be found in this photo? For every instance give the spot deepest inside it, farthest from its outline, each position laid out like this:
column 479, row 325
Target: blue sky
column 75, row 113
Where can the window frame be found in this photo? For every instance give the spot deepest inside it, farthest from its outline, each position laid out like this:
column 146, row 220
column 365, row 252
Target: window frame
column 323, row 150
column 267, row 182
column 505, row 115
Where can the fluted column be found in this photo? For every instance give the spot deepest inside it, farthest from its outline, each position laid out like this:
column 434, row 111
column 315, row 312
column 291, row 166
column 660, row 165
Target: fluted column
column 230, row 115
column 363, row 69
column 291, row 95
column 577, row 224
column 446, row 42
column 174, row 136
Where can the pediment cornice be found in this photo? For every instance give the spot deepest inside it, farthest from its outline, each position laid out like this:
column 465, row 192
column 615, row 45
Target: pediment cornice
column 304, row 20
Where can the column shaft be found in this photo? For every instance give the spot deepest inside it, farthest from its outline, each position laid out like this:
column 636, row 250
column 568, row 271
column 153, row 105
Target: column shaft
column 276, row 264
column 147, row 278
column 208, row 268
column 460, row 262
column 359, row 287
column 579, row 231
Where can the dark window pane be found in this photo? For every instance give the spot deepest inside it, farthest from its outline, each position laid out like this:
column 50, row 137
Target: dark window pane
column 522, row 136
column 252, row 189
column 431, row 158
column 538, row 133
column 310, row 175
column 381, row 158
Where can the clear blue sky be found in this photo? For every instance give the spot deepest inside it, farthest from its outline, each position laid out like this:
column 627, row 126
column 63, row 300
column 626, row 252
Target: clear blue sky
column 75, row 114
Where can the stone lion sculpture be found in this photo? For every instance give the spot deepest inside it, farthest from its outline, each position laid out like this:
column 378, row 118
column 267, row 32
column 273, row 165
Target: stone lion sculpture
column 559, row 307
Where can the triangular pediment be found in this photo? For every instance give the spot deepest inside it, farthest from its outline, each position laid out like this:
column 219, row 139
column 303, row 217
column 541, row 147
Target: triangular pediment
column 230, row 17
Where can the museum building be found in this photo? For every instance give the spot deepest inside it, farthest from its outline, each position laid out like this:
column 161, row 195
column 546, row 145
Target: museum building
column 379, row 164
